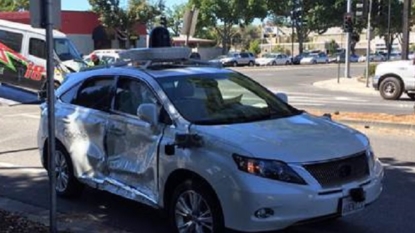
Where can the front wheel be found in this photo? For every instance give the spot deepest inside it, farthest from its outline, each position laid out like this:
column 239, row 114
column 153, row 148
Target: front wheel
column 194, row 208
column 391, row 88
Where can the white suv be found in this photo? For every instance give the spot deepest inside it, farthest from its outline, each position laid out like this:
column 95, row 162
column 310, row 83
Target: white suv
column 211, row 146
column 394, row 78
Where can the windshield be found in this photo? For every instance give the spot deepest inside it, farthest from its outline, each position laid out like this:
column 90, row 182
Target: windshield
column 66, row 50
column 226, row 98
column 268, row 55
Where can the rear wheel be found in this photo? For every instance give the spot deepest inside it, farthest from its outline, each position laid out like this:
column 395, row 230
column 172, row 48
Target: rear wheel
column 251, row 63
column 234, row 64
column 391, row 88
column 67, row 184
column 194, row 208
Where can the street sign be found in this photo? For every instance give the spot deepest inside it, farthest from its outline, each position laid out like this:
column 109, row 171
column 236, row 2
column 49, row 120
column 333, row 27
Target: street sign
column 38, row 13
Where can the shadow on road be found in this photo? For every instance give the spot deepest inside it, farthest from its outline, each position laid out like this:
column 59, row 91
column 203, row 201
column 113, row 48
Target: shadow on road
column 391, row 213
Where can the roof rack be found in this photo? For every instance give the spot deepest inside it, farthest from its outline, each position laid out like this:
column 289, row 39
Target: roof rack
column 161, row 57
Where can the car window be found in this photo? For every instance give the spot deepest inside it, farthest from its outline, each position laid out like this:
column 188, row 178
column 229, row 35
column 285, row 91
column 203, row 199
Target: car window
column 12, row 40
column 130, row 93
column 37, row 48
column 223, row 99
column 95, row 93
column 70, row 95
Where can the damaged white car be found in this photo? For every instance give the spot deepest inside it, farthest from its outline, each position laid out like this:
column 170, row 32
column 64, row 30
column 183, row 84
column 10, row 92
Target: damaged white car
column 212, row 147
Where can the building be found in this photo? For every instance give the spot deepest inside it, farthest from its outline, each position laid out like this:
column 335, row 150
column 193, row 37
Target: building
column 86, row 32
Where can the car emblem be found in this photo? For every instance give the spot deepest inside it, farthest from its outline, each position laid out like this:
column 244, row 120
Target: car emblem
column 345, row 170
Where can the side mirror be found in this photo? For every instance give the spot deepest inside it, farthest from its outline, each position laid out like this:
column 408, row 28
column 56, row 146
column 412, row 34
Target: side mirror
column 148, row 113
column 282, row 96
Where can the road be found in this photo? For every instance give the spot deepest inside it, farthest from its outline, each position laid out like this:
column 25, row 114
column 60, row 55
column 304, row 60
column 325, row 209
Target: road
column 297, row 82
column 23, row 179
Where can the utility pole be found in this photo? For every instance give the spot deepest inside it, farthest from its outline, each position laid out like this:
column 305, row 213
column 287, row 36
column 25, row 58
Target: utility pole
column 389, row 31
column 405, row 29
column 369, row 29
column 348, row 40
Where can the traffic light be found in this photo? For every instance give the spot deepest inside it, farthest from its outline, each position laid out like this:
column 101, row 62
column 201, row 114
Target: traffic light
column 348, row 23
column 362, row 8
column 163, row 21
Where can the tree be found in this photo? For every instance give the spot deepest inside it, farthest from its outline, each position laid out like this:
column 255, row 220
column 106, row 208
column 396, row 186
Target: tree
column 254, row 47
column 13, row 5
column 113, row 16
column 307, row 16
column 222, row 15
column 175, row 18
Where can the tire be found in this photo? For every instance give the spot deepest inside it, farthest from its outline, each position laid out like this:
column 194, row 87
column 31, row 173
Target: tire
column 391, row 89
column 411, row 95
column 207, row 203
column 251, row 63
column 287, row 63
column 274, row 63
column 67, row 185
column 234, row 64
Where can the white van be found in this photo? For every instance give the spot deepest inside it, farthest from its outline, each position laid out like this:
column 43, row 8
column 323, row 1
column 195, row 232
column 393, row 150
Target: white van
column 23, row 55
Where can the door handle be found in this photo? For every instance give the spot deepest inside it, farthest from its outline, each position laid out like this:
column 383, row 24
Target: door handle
column 116, row 131
column 66, row 120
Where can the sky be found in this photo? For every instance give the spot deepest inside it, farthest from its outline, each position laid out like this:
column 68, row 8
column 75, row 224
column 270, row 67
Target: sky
column 83, row 5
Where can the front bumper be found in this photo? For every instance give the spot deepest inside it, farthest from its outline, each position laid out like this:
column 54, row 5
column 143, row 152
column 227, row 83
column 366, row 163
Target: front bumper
column 375, row 82
column 291, row 204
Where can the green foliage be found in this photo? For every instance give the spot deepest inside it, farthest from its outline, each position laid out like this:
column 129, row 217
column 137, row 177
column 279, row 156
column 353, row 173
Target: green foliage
column 332, row 47
column 175, row 18
column 223, row 15
column 372, row 70
column 254, row 47
column 278, row 49
column 112, row 15
column 13, row 5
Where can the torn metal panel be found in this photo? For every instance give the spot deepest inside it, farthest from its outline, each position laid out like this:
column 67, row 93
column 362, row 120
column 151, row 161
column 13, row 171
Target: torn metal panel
column 132, row 153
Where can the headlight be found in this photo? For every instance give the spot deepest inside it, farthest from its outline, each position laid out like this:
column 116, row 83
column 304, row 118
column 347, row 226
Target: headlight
column 270, row 169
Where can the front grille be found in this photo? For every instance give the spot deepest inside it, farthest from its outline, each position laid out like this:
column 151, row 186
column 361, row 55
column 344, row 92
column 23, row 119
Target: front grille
column 340, row 171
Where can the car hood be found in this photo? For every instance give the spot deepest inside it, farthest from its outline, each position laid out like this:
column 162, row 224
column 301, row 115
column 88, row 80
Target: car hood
column 297, row 139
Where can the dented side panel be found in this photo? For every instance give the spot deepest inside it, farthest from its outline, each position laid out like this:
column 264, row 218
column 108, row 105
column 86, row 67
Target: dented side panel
column 132, row 154
column 83, row 130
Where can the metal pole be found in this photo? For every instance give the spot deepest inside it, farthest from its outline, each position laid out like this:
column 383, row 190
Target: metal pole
column 368, row 43
column 51, row 114
column 389, row 30
column 292, row 30
column 406, row 28
column 348, row 40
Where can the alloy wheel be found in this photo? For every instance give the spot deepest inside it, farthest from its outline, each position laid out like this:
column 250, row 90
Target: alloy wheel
column 193, row 214
column 61, row 172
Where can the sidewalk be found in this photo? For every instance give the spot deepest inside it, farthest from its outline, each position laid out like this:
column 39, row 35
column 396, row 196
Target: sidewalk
column 354, row 85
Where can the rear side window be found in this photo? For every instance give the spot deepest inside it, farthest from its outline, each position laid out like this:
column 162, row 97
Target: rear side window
column 12, row 40
column 96, row 93
column 37, row 48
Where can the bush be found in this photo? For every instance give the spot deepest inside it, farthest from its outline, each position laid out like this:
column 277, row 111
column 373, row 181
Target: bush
column 372, row 70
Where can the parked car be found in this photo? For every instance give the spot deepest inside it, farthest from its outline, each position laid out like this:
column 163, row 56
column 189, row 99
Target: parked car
column 297, row 59
column 236, row 59
column 376, row 57
column 107, row 55
column 394, row 78
column 342, row 58
column 209, row 145
column 272, row 59
column 315, row 58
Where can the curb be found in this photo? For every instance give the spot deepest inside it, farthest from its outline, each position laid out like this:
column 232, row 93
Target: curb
column 65, row 222
column 410, row 128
